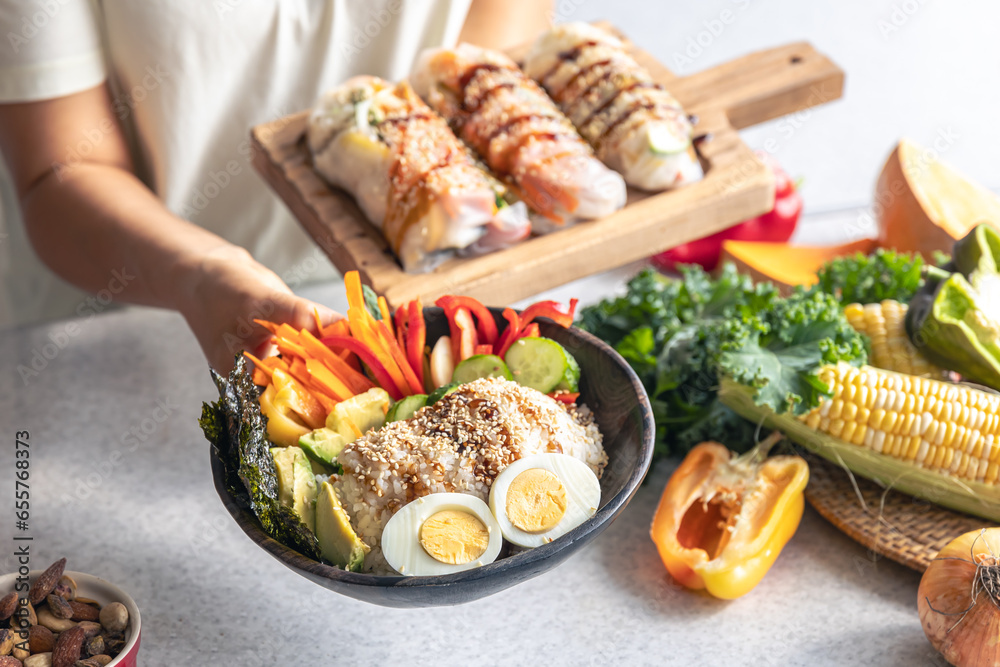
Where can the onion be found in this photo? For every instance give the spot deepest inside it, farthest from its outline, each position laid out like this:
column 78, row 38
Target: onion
column 959, row 600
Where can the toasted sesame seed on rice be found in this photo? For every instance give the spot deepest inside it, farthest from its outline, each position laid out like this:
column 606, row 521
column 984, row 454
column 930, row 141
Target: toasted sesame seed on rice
column 460, row 444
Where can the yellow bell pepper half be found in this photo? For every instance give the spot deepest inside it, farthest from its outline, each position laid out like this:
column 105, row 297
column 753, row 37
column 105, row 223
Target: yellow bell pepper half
column 722, row 521
column 283, row 427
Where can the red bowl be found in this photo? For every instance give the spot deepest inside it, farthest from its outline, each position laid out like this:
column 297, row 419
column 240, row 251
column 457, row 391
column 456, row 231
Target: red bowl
column 89, row 586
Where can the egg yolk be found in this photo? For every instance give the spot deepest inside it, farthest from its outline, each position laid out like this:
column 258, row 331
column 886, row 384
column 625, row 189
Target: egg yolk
column 454, row 537
column 536, row 501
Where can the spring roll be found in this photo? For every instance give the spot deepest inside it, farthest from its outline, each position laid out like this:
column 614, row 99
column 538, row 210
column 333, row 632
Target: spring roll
column 519, row 133
column 410, row 175
column 635, row 126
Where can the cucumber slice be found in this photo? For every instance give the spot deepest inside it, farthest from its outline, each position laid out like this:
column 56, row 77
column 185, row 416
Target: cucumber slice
column 440, row 392
column 405, row 407
column 481, row 366
column 571, row 379
column 663, row 140
column 539, row 363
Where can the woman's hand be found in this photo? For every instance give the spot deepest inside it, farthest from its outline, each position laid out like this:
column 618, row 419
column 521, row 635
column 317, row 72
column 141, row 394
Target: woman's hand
column 226, row 291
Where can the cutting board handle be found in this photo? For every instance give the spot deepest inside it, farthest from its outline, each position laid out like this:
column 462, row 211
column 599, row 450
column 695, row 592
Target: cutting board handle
column 763, row 85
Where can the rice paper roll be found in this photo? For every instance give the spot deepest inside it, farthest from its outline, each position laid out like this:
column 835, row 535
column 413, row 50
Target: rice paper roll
column 519, row 133
column 410, row 175
column 635, row 126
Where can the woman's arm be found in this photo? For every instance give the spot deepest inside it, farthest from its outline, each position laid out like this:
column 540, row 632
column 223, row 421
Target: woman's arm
column 93, row 222
column 501, row 24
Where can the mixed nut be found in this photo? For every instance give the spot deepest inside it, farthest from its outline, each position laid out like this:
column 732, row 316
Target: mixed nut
column 62, row 628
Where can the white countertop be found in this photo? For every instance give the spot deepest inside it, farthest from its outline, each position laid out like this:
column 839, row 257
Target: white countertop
column 144, row 514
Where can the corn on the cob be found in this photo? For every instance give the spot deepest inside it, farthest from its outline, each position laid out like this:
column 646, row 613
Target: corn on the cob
column 884, row 323
column 940, row 426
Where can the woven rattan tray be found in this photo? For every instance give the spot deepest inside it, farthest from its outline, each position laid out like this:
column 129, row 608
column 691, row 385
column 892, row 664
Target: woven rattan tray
column 905, row 529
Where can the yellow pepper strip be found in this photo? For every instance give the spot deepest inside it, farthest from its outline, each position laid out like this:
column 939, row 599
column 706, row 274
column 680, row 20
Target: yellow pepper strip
column 282, row 428
column 722, row 521
column 293, row 395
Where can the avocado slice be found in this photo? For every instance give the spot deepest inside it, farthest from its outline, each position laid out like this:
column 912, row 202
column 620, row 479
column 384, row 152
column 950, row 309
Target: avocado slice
column 359, row 414
column 338, row 542
column 323, row 445
column 296, row 483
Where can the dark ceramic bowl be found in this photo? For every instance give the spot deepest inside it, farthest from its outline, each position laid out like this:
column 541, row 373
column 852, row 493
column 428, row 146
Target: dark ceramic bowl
column 612, row 391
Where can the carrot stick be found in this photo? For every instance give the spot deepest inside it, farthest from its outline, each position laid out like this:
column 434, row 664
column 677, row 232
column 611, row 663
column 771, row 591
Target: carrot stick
column 354, row 380
column 399, row 357
column 383, row 307
column 368, row 357
column 325, row 377
column 270, row 326
column 297, row 369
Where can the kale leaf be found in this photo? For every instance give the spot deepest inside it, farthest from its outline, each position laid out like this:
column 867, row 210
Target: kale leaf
column 669, row 331
column 884, row 274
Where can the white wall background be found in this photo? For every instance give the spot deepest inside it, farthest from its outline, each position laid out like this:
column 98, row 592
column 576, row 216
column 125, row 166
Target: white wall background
column 914, row 68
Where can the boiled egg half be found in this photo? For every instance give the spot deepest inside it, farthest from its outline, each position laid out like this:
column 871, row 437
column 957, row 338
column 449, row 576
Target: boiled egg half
column 541, row 497
column 441, row 533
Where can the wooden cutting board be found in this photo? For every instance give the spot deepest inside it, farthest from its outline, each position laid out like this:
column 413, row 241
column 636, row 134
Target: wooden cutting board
column 737, row 186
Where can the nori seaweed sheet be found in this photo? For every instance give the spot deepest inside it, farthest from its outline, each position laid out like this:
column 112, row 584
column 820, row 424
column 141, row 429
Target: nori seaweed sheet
column 237, row 429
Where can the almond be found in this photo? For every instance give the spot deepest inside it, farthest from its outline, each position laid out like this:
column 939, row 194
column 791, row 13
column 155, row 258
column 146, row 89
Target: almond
column 47, row 581
column 83, row 611
column 10, row 661
column 40, row 639
column 90, row 629
column 67, row 649
column 8, row 604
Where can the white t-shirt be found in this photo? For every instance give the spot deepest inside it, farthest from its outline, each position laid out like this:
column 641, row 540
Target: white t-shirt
column 189, row 78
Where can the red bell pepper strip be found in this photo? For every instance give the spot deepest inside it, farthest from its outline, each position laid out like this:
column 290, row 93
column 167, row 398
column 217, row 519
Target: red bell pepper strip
column 368, row 357
column 484, row 349
column 569, row 398
column 510, row 333
column 486, row 326
column 530, row 331
column 416, row 338
column 550, row 309
column 775, row 226
column 464, row 338
column 402, row 315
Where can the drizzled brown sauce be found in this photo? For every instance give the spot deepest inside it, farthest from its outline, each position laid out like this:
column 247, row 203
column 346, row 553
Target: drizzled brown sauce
column 471, row 106
column 571, row 55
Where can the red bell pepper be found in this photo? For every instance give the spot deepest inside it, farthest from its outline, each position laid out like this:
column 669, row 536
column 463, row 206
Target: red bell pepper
column 463, row 334
column 550, row 309
column 416, row 338
column 567, row 397
column 775, row 226
column 486, row 326
column 402, row 321
column 382, row 376
column 510, row 333
column 530, row 331
column 484, row 349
